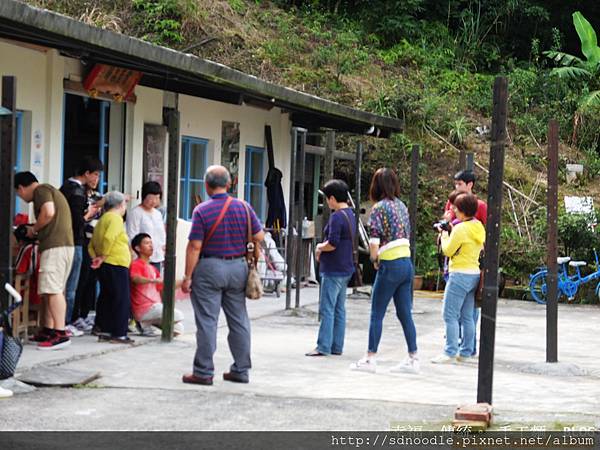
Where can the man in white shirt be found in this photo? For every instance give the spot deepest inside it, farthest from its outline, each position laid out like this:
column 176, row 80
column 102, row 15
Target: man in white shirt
column 146, row 218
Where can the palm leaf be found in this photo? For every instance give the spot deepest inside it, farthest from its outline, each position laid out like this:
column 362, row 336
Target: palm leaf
column 564, row 59
column 587, row 36
column 575, row 73
column 590, row 100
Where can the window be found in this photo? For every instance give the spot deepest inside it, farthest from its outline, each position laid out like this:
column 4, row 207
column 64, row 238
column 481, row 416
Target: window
column 254, row 180
column 194, row 161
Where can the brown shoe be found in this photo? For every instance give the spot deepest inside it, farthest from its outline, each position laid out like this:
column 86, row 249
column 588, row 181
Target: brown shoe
column 195, row 379
column 235, row 377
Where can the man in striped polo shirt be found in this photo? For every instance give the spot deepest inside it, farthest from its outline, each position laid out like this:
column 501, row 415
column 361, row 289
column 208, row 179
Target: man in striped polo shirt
column 216, row 273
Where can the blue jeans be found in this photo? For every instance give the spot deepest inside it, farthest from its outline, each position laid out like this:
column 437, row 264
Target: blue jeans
column 394, row 279
column 459, row 303
column 476, row 312
column 72, row 281
column 332, row 309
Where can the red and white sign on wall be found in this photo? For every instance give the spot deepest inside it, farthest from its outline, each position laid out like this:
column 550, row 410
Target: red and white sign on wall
column 114, row 81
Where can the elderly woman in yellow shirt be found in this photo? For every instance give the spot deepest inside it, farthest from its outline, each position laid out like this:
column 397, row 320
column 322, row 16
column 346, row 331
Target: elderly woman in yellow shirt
column 109, row 250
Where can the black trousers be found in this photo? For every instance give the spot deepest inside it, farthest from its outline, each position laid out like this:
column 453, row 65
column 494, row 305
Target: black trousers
column 113, row 307
column 85, row 298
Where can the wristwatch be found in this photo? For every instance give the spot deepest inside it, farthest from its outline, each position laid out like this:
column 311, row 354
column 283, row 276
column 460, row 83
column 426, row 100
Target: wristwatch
column 186, row 278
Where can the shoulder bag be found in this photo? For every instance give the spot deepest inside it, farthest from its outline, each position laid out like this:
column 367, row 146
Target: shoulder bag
column 254, row 286
column 356, row 280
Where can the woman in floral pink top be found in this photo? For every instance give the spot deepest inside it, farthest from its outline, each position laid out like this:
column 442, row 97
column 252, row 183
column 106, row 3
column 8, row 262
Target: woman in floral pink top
column 390, row 253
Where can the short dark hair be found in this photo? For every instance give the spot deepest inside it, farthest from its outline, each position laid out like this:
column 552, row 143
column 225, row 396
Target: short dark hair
column 89, row 164
column 24, row 179
column 151, row 188
column 467, row 204
column 137, row 240
column 337, row 189
column 465, row 175
column 453, row 195
column 384, row 185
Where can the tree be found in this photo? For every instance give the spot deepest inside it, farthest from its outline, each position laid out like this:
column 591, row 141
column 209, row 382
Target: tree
column 578, row 69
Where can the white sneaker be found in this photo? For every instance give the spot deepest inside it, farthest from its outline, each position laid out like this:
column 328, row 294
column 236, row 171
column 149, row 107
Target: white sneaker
column 365, row 365
column 82, row 325
column 73, row 331
column 5, row 393
column 467, row 359
column 444, row 359
column 409, row 365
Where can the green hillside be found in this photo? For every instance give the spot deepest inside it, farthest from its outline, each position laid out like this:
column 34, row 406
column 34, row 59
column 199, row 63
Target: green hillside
column 429, row 62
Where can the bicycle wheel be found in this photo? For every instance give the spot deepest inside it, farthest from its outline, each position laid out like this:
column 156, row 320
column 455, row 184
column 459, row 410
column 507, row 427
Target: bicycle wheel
column 538, row 287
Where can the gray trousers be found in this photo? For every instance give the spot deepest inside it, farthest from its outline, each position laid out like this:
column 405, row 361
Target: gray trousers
column 220, row 283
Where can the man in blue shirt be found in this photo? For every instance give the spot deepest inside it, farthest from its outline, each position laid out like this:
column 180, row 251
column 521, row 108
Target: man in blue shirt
column 336, row 266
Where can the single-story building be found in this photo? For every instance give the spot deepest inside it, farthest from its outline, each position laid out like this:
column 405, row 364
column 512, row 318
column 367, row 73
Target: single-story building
column 67, row 74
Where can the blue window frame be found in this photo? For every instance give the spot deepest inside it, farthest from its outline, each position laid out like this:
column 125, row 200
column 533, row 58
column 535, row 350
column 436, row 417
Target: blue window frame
column 254, row 188
column 194, row 162
column 104, row 144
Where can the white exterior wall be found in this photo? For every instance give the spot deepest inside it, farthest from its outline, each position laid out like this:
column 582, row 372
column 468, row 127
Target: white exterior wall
column 203, row 118
column 30, row 69
column 40, row 74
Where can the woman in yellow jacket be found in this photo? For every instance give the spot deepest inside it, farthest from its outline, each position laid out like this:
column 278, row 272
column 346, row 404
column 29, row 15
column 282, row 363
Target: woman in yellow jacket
column 109, row 250
column 463, row 246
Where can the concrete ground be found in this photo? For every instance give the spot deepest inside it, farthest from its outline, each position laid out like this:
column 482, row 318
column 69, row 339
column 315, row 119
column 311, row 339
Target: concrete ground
column 140, row 387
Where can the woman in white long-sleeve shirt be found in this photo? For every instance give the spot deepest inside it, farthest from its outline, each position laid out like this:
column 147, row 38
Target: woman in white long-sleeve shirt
column 146, row 218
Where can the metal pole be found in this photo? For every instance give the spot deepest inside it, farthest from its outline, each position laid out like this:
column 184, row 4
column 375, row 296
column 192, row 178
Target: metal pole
column 412, row 205
column 290, row 225
column 552, row 199
column 171, row 118
column 7, row 192
column 300, row 216
column 492, row 243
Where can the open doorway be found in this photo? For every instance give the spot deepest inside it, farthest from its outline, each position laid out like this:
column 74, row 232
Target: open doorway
column 94, row 128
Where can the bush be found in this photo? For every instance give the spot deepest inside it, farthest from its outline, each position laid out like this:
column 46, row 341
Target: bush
column 160, row 20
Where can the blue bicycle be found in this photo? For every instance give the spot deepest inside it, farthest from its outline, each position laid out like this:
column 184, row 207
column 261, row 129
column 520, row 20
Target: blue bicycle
column 568, row 285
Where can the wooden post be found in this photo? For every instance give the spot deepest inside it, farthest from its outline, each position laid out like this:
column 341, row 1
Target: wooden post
column 328, row 169
column 358, row 188
column 492, row 243
column 7, row 192
column 412, row 205
column 462, row 159
column 290, row 224
column 552, row 280
column 300, row 216
column 171, row 119
column 470, row 161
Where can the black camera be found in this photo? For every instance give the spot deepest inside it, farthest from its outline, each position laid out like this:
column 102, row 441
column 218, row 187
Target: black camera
column 96, row 197
column 442, row 225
